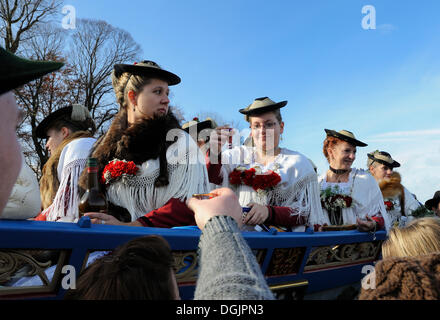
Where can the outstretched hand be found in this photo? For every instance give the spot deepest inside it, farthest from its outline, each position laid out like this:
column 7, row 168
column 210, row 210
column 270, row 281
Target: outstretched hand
column 103, row 218
column 257, row 215
column 366, row 225
column 225, row 203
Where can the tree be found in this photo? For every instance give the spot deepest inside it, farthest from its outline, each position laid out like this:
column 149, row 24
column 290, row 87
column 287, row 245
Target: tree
column 95, row 48
column 41, row 97
column 20, row 18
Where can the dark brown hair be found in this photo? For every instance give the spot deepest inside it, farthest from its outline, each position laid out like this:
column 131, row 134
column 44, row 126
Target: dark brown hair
column 74, row 126
column 276, row 112
column 138, row 270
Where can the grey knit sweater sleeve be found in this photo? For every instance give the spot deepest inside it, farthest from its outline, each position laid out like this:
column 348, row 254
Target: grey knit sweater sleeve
column 228, row 269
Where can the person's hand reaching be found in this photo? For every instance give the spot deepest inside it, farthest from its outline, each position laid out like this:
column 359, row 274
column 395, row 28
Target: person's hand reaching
column 224, row 202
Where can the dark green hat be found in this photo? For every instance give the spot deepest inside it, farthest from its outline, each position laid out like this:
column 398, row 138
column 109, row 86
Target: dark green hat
column 208, row 123
column 75, row 114
column 17, row 71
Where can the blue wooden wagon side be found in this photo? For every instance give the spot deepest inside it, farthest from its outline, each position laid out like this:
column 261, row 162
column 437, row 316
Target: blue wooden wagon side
column 304, row 262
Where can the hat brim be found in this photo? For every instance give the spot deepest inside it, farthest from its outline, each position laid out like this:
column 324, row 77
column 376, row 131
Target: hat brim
column 395, row 164
column 146, row 71
column 264, row 109
column 44, row 125
column 202, row 125
column 19, row 71
column 355, row 142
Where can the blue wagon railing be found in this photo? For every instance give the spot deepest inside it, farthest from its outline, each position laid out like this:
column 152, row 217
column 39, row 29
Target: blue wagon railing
column 306, row 261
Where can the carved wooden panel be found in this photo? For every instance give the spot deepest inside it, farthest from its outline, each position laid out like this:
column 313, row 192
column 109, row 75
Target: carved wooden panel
column 24, row 271
column 285, row 261
column 343, row 254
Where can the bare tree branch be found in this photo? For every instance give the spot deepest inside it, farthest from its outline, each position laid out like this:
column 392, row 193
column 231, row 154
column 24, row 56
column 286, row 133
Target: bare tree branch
column 96, row 48
column 19, row 18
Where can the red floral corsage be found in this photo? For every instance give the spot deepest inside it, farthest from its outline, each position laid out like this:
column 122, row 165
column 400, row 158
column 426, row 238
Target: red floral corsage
column 389, row 205
column 249, row 177
column 116, row 169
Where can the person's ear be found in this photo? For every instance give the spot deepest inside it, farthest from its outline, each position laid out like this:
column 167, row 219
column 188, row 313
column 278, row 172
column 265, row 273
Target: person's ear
column 281, row 127
column 132, row 97
column 330, row 153
column 65, row 132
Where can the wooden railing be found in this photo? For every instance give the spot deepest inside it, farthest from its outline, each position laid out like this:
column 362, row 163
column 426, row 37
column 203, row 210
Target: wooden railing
column 290, row 261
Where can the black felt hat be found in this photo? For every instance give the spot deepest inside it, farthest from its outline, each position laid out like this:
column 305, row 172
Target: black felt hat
column 208, row 123
column 262, row 105
column 433, row 203
column 345, row 135
column 16, row 71
column 383, row 158
column 148, row 69
column 75, row 114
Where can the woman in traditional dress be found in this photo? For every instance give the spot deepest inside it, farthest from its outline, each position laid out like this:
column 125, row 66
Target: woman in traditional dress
column 278, row 184
column 399, row 202
column 69, row 134
column 148, row 165
column 349, row 195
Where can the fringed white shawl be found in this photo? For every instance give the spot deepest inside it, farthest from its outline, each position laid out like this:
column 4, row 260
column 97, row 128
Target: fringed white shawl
column 73, row 160
column 366, row 195
column 187, row 175
column 297, row 190
column 410, row 204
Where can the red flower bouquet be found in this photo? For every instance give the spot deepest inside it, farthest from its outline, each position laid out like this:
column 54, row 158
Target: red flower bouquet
column 249, row 177
column 266, row 181
column 331, row 200
column 334, row 202
column 389, row 205
column 235, row 177
column 116, row 169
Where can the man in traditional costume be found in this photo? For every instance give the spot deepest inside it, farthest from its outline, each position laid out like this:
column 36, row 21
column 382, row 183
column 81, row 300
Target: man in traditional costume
column 69, row 133
column 399, row 202
column 200, row 131
column 16, row 72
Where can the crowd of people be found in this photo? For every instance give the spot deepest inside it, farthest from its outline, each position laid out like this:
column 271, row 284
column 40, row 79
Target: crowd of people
column 149, row 180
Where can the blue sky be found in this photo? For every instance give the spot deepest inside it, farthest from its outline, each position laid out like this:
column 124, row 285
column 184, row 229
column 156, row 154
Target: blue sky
column 381, row 84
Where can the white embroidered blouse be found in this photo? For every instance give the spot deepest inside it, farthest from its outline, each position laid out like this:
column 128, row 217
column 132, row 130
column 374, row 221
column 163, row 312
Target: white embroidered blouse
column 366, row 195
column 298, row 188
column 187, row 176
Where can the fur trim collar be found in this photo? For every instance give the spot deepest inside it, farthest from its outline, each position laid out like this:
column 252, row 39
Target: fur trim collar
column 391, row 187
column 140, row 142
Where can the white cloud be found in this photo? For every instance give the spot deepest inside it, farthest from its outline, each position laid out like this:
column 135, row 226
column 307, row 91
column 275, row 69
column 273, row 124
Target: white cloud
column 418, row 151
column 409, row 134
column 386, row 28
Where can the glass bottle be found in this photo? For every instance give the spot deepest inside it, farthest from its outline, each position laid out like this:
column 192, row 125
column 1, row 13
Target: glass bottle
column 93, row 200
